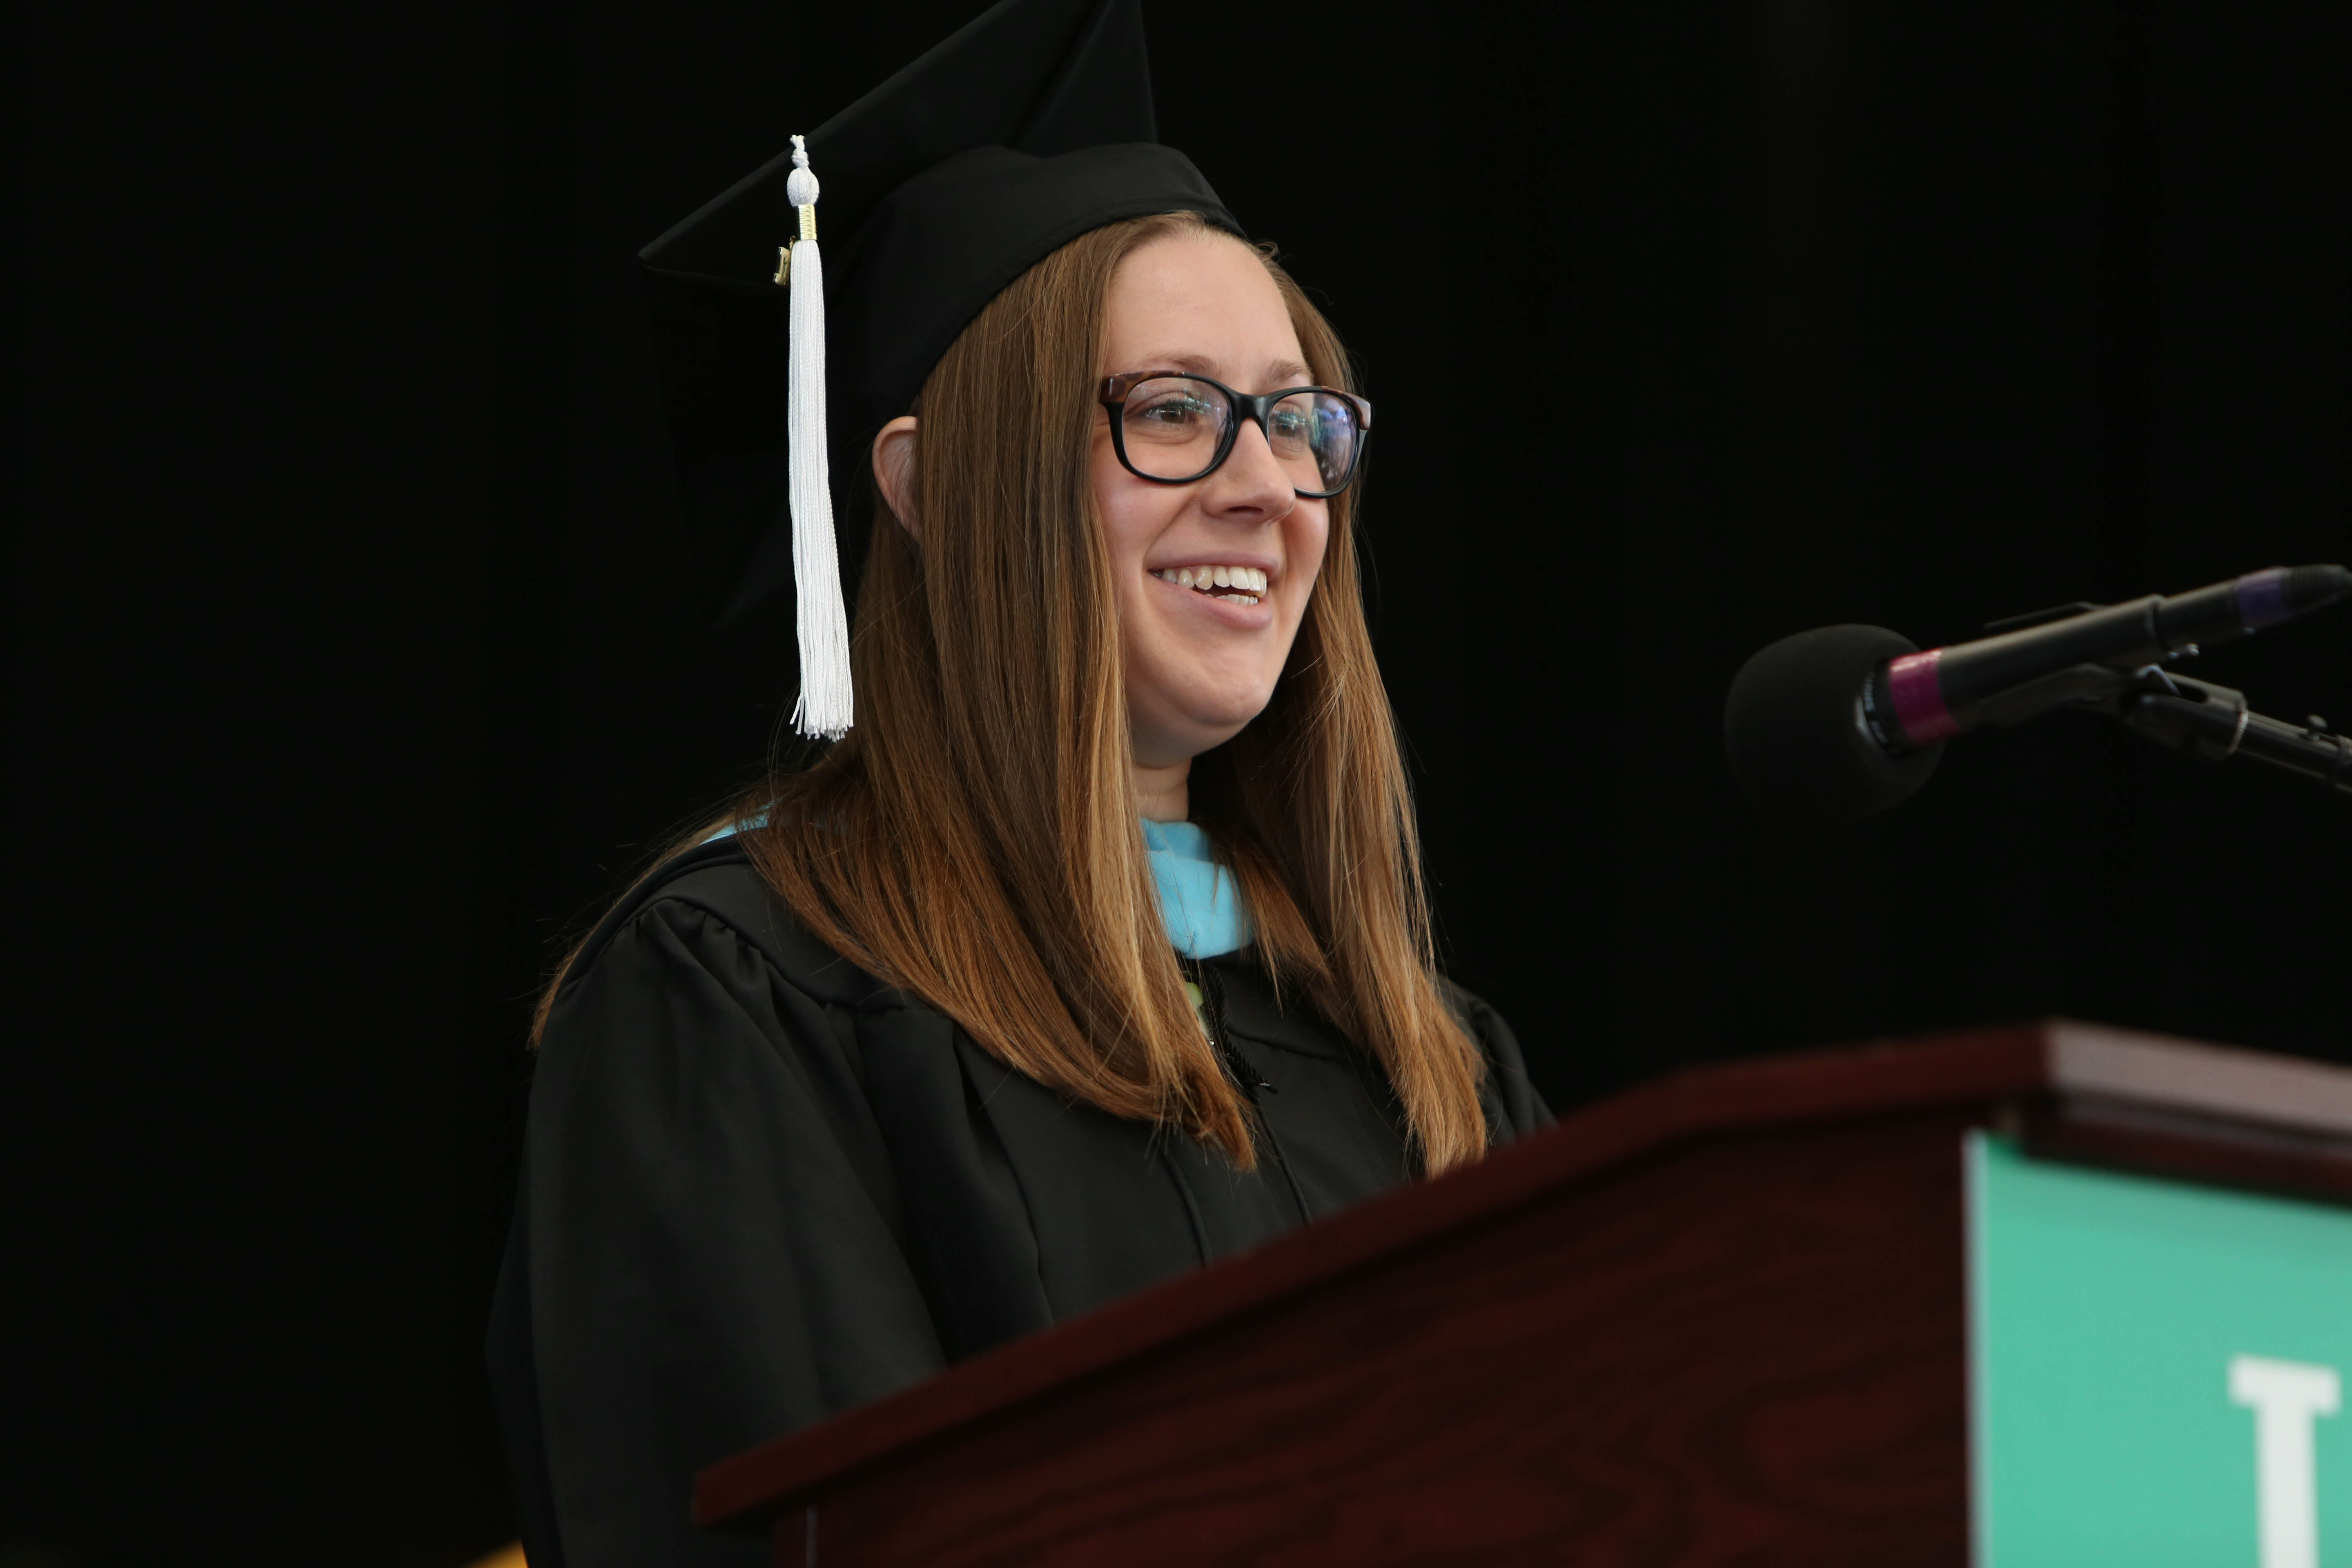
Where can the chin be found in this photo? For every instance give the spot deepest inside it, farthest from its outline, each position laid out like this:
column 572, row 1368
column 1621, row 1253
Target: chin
column 1179, row 693
column 1225, row 720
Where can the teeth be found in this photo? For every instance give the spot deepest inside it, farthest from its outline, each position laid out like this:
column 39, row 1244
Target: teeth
column 1247, row 581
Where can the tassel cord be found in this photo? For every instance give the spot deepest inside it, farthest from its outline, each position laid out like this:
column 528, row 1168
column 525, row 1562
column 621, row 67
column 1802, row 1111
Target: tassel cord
column 826, row 706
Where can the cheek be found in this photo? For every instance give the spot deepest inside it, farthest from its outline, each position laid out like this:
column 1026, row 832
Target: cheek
column 1308, row 531
column 1133, row 514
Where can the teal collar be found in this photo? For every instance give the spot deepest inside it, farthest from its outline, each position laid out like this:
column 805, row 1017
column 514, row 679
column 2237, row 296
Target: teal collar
column 1199, row 901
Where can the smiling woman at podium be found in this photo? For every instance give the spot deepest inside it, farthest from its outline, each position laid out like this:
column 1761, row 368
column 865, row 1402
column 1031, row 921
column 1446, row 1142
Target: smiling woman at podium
column 1096, row 946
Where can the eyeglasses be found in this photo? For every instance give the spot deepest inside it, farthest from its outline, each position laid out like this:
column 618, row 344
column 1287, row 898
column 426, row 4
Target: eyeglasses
column 1171, row 428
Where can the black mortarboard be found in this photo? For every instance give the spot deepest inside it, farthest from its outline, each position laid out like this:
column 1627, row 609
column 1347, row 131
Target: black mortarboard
column 1027, row 128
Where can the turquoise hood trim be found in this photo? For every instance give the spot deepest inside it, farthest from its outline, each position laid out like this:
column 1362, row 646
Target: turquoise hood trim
column 1200, row 903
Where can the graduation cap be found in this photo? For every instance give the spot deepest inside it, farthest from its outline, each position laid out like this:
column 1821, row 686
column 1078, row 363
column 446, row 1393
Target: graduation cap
column 1029, row 127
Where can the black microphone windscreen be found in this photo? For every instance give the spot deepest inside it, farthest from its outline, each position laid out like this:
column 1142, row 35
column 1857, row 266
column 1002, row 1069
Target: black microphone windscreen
column 1793, row 733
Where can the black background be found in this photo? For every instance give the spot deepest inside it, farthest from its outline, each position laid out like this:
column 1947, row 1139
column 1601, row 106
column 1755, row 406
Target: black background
column 350, row 656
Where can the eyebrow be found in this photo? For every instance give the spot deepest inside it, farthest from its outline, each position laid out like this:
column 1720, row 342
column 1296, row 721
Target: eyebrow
column 1279, row 372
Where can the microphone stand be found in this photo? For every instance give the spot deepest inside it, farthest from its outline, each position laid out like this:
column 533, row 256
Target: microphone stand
column 2202, row 720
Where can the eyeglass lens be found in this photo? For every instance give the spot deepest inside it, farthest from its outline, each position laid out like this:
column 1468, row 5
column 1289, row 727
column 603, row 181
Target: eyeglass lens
column 1172, row 427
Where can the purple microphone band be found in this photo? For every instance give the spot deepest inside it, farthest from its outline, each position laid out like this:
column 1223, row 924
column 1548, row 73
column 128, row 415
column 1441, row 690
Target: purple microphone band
column 2262, row 599
column 1918, row 698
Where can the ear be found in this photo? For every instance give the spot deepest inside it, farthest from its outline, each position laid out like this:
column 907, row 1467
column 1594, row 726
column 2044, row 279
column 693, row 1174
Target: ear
column 893, row 470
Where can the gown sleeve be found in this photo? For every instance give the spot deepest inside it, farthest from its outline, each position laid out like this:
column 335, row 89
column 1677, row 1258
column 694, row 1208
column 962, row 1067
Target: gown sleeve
column 1513, row 1108
column 710, row 1243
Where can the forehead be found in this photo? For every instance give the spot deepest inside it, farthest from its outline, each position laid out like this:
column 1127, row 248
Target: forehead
column 1203, row 301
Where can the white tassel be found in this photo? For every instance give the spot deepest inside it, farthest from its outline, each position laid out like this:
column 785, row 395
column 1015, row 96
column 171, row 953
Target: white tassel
column 825, row 707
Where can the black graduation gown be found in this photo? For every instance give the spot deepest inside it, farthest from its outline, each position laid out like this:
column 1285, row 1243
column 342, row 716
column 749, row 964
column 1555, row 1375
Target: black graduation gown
column 759, row 1187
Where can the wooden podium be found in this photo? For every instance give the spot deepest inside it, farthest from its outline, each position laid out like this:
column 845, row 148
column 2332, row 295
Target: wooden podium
column 1719, row 1319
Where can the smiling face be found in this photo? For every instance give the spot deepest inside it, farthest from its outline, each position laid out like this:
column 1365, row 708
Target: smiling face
column 1213, row 576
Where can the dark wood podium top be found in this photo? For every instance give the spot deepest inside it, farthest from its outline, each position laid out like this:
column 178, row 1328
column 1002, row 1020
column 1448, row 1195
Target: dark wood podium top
column 2067, row 1090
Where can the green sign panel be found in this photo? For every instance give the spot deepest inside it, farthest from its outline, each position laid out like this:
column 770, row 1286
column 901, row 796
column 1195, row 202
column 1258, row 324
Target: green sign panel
column 2158, row 1370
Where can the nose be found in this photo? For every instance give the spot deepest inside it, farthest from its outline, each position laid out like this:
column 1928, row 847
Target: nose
column 1250, row 486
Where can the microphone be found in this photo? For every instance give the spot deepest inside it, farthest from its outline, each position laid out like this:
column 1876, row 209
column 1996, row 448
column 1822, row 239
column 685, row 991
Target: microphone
column 1837, row 723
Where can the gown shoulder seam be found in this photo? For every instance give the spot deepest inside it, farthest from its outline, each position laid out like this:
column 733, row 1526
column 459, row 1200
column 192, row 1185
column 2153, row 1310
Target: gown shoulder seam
column 820, row 974
column 856, row 988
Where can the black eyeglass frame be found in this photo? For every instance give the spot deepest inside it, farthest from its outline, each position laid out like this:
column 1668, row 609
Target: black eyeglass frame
column 1254, row 407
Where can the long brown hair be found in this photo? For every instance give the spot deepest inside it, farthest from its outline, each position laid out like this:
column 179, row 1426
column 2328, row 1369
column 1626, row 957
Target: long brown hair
column 973, row 839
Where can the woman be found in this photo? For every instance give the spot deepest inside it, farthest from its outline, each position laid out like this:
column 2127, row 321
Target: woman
column 932, row 1045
